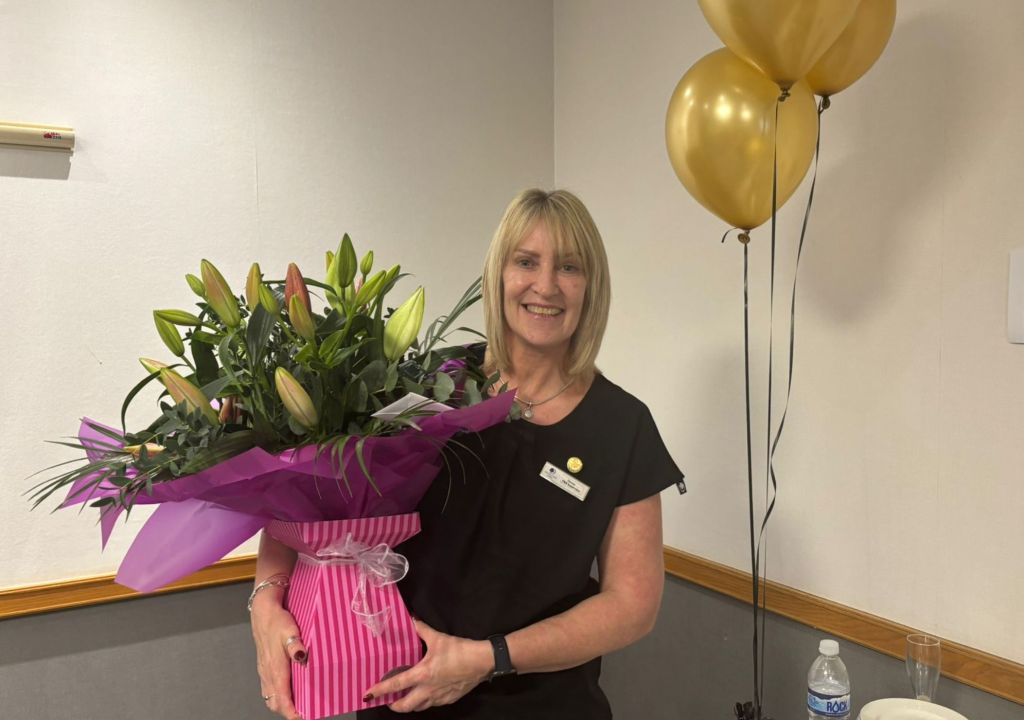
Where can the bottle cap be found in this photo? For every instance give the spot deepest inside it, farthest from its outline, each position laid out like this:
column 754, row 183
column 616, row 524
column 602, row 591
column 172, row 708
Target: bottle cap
column 828, row 648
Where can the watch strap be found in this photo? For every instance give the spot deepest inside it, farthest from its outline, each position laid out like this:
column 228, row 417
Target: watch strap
column 502, row 659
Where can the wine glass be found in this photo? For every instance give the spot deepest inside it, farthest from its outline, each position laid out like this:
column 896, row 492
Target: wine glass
column 924, row 665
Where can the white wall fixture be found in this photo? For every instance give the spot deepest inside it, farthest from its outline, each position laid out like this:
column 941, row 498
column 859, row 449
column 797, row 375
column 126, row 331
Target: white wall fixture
column 1015, row 298
column 50, row 137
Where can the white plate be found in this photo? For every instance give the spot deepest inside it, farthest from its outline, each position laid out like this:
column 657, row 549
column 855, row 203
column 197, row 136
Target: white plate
column 906, row 709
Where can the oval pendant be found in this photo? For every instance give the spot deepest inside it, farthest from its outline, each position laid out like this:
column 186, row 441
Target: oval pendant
column 528, row 412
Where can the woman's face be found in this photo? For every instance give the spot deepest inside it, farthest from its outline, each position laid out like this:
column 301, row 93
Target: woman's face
column 543, row 294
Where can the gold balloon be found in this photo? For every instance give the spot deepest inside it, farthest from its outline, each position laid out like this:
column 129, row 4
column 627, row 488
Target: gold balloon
column 782, row 37
column 856, row 50
column 720, row 129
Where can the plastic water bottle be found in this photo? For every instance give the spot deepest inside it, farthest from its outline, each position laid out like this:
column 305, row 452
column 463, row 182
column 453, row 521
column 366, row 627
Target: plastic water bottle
column 828, row 685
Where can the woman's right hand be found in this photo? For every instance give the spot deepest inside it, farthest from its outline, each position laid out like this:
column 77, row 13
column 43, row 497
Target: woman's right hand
column 277, row 644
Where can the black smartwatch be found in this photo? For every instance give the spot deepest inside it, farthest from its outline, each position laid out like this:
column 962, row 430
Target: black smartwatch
column 502, row 661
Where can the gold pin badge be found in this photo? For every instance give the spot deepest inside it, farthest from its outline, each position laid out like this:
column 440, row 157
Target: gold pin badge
column 574, row 464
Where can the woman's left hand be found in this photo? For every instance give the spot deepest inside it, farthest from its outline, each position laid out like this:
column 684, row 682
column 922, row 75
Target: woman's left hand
column 451, row 668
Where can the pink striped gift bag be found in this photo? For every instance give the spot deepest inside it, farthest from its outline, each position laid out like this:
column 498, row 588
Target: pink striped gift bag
column 344, row 597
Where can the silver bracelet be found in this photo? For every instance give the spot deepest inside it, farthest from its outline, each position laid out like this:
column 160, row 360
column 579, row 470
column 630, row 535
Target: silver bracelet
column 272, row 581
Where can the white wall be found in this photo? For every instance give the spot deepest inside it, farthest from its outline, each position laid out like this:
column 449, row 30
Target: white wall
column 245, row 131
column 235, row 131
column 900, row 467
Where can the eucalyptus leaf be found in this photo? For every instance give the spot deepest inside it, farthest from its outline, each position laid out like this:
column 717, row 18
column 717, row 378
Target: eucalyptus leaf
column 172, row 424
column 374, row 375
column 391, row 378
column 356, row 396
column 444, row 386
column 472, row 392
column 492, row 381
column 226, row 447
column 412, row 386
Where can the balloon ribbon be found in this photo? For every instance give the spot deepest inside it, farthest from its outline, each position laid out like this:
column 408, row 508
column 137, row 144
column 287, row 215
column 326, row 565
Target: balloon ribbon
column 759, row 576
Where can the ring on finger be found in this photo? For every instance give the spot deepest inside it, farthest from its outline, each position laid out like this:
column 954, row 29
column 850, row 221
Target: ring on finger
column 290, row 640
column 266, row 698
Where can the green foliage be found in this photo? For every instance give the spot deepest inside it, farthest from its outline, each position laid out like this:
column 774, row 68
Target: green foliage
column 343, row 370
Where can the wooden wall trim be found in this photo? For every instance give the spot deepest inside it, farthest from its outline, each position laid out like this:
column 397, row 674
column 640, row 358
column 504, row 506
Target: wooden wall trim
column 990, row 673
column 982, row 670
column 102, row 589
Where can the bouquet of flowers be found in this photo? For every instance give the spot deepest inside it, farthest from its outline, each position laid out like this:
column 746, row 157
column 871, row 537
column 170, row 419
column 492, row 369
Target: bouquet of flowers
column 325, row 427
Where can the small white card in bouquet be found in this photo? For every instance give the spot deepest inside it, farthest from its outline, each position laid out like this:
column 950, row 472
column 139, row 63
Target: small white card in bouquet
column 412, row 401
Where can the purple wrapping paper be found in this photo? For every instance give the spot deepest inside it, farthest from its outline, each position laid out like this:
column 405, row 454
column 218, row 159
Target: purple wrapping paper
column 206, row 515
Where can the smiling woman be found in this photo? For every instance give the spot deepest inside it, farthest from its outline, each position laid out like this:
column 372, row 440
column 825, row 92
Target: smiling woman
column 543, row 293
column 546, row 253
column 500, row 577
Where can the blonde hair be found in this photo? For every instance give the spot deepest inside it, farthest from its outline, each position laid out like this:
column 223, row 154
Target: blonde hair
column 575, row 233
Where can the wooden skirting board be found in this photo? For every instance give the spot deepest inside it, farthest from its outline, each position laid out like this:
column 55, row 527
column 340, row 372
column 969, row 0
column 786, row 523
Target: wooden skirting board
column 102, row 589
column 972, row 667
column 979, row 669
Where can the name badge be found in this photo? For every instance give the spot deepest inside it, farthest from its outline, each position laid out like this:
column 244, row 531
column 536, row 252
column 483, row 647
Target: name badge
column 564, row 481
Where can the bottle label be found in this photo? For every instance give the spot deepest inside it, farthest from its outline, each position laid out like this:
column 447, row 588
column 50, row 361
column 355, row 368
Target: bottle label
column 836, row 706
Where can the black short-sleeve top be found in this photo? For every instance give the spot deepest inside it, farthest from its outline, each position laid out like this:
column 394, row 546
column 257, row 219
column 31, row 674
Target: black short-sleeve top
column 507, row 542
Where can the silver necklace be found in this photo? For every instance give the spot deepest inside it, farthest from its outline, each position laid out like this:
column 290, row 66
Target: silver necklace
column 531, row 404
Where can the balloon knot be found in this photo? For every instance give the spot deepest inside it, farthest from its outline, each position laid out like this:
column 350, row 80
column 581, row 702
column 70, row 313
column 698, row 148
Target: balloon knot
column 743, row 238
column 825, row 103
column 784, row 95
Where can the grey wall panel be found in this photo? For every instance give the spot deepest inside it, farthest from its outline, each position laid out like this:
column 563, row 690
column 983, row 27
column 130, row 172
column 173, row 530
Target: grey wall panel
column 184, row 655
column 189, row 655
column 697, row 663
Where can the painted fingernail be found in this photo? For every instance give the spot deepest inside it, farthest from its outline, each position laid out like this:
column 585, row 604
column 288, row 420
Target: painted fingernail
column 367, row 697
column 300, row 657
column 394, row 671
